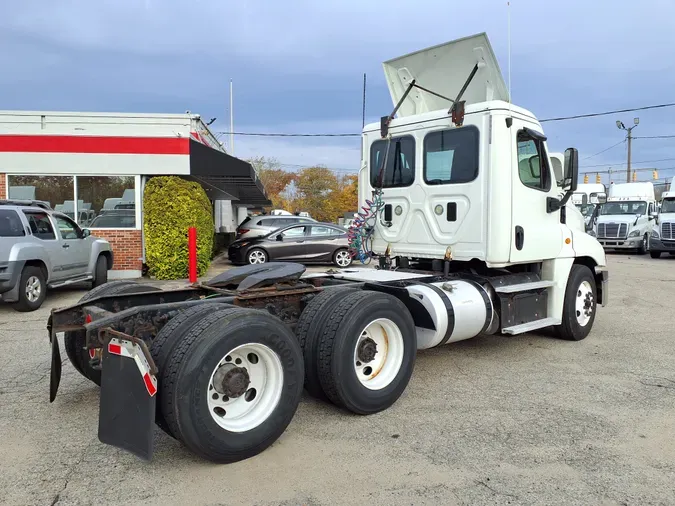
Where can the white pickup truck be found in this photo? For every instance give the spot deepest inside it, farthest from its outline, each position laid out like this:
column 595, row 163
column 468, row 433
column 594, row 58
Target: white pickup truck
column 662, row 239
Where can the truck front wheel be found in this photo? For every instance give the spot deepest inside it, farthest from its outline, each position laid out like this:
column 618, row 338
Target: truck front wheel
column 644, row 246
column 655, row 254
column 579, row 306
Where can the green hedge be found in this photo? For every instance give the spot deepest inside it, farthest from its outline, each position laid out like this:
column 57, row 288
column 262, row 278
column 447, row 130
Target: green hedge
column 171, row 205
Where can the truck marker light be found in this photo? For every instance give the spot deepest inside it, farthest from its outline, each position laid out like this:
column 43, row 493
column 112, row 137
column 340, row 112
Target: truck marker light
column 115, row 349
column 568, row 240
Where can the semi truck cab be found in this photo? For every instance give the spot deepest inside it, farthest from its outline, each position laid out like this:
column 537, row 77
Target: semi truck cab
column 626, row 219
column 662, row 239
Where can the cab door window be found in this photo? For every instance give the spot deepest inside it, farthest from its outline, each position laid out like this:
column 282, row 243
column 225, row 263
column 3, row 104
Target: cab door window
column 40, row 225
column 533, row 166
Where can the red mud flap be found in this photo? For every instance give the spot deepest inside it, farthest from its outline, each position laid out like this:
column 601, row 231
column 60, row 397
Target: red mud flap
column 128, row 395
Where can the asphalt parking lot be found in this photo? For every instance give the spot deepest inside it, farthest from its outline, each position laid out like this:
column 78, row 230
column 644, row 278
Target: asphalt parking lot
column 494, row 420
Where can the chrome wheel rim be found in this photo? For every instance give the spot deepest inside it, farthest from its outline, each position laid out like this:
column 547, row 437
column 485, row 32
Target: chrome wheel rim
column 343, row 259
column 245, row 387
column 378, row 354
column 584, row 306
column 256, row 257
column 33, row 288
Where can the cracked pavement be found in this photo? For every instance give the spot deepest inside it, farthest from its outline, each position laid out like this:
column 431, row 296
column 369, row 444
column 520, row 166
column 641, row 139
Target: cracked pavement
column 493, row 420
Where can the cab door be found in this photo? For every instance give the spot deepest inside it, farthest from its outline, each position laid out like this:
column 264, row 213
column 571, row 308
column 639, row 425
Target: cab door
column 536, row 234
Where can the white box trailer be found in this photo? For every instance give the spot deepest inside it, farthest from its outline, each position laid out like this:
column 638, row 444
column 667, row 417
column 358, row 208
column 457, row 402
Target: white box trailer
column 461, row 210
column 625, row 220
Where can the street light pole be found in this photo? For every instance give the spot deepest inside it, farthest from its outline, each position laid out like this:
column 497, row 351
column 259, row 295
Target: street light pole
column 621, row 126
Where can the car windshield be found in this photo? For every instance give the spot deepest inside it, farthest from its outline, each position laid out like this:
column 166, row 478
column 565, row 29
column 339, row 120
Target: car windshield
column 668, row 206
column 586, row 209
column 627, row 207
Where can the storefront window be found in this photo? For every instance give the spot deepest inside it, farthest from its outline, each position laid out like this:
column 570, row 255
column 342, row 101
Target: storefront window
column 57, row 191
column 106, row 201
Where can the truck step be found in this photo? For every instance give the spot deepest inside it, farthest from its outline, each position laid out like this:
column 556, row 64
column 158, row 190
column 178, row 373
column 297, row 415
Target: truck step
column 526, row 327
column 523, row 287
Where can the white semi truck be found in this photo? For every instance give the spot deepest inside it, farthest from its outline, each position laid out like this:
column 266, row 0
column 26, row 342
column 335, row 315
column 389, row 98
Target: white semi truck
column 625, row 221
column 469, row 233
column 662, row 239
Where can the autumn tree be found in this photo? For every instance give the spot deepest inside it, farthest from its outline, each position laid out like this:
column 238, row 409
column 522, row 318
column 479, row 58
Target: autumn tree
column 274, row 179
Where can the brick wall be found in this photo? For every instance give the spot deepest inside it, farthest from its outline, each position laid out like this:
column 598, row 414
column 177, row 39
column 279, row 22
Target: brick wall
column 3, row 190
column 127, row 248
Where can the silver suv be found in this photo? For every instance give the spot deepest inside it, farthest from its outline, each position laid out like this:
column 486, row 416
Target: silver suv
column 257, row 226
column 41, row 248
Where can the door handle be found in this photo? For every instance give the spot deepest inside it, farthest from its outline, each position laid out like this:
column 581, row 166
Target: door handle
column 66, row 245
column 520, row 237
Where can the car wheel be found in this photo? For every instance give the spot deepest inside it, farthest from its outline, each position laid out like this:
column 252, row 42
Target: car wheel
column 32, row 289
column 101, row 272
column 256, row 256
column 342, row 258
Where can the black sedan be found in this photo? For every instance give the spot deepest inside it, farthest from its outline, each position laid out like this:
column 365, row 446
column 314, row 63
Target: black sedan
column 307, row 243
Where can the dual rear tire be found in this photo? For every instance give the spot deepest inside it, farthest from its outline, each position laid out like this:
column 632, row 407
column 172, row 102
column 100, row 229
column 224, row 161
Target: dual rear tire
column 230, row 380
column 359, row 348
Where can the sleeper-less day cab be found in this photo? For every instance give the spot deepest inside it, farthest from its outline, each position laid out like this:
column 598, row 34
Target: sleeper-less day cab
column 469, row 223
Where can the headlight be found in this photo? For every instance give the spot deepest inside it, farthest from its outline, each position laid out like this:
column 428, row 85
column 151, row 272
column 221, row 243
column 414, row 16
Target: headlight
column 655, row 234
column 634, row 233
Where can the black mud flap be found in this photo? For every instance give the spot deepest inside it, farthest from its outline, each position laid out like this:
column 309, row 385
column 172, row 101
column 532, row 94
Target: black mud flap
column 128, row 396
column 55, row 373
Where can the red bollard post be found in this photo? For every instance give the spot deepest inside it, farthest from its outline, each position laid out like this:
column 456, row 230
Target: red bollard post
column 192, row 254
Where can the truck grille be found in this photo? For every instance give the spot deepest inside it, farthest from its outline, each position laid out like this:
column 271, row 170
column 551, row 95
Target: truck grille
column 613, row 230
column 668, row 230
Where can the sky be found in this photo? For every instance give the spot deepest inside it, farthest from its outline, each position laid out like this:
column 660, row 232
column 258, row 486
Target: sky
column 297, row 66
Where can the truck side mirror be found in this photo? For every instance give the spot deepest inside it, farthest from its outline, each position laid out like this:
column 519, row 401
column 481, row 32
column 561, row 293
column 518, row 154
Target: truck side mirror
column 571, row 169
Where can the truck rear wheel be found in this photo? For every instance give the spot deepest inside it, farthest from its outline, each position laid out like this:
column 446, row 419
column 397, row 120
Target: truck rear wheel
column 366, row 352
column 75, row 340
column 308, row 330
column 232, row 384
column 165, row 342
column 579, row 306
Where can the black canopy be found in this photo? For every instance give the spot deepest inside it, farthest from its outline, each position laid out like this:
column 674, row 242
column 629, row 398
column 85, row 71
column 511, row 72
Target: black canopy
column 225, row 177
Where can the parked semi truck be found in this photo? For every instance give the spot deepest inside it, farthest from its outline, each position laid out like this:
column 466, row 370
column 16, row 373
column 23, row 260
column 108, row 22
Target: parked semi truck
column 662, row 238
column 467, row 232
column 625, row 221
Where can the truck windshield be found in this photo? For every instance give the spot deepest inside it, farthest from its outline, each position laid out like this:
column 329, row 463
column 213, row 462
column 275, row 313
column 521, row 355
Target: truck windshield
column 586, row 209
column 625, row 207
column 668, row 206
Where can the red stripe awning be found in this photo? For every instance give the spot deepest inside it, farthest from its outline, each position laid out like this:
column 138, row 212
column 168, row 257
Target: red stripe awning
column 94, row 144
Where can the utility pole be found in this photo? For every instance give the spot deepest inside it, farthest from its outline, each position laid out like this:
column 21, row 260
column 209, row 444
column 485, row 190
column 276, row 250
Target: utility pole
column 621, row 126
column 231, row 122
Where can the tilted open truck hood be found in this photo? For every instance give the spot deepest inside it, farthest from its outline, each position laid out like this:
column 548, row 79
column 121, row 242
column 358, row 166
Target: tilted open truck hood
column 444, row 69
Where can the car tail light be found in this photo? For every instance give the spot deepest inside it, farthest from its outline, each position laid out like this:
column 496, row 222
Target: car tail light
column 243, row 231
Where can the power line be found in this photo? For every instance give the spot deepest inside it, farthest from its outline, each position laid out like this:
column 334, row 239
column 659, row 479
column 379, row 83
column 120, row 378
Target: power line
column 607, row 149
column 624, row 163
column 346, row 134
column 655, row 137
column 256, row 134
column 607, row 113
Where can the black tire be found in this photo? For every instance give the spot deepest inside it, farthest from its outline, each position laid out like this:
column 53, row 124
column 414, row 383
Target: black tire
column 644, row 245
column 342, row 251
column 337, row 345
column 193, row 360
column 309, row 329
column 265, row 256
column 655, row 254
column 34, row 275
column 75, row 340
column 166, row 340
column 571, row 329
column 101, row 272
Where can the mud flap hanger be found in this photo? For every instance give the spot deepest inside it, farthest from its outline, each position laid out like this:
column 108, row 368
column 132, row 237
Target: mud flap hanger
column 456, row 110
